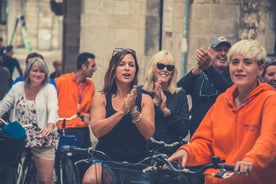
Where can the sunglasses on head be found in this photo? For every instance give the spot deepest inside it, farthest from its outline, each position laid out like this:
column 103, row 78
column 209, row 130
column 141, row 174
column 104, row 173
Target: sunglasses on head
column 117, row 50
column 161, row 66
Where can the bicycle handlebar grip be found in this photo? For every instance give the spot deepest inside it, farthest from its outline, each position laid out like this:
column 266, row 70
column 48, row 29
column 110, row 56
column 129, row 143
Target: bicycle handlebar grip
column 229, row 167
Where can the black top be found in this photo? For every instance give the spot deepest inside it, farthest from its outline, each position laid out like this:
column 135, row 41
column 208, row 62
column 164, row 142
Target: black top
column 173, row 128
column 2, row 51
column 204, row 89
column 124, row 142
column 10, row 63
column 4, row 81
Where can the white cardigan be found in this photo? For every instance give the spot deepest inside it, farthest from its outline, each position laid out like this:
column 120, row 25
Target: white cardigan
column 46, row 103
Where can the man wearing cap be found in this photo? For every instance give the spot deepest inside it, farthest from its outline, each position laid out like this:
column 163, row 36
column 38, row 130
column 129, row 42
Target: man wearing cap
column 10, row 62
column 209, row 78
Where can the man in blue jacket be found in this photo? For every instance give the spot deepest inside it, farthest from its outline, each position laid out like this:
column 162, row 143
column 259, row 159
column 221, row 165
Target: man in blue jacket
column 209, row 78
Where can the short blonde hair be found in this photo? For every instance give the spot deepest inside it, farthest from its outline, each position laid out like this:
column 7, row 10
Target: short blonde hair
column 149, row 80
column 251, row 49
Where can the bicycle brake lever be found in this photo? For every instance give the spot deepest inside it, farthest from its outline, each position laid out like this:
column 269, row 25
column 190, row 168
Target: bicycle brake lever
column 224, row 175
column 228, row 175
column 149, row 168
column 220, row 174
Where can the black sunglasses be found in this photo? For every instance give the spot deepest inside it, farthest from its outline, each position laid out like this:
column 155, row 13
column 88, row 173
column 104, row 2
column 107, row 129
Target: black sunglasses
column 161, row 66
column 117, row 50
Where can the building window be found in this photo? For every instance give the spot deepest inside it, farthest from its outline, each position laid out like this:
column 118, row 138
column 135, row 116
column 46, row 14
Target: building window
column 3, row 12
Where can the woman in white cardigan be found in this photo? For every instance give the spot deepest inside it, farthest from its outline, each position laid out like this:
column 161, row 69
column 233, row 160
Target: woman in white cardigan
column 35, row 101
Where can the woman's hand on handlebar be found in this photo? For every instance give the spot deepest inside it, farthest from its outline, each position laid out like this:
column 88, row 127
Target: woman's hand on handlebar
column 47, row 130
column 181, row 156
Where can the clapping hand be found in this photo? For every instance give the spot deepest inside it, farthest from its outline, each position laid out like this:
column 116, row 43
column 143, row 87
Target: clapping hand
column 160, row 98
column 203, row 58
column 157, row 92
column 129, row 101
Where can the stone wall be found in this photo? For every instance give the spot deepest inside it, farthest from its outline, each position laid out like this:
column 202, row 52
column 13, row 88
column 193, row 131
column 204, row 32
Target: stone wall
column 111, row 24
column 43, row 27
column 209, row 19
column 235, row 19
column 136, row 24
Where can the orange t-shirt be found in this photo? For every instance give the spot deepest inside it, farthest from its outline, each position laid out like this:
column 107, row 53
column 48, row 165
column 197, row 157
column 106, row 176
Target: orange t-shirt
column 73, row 98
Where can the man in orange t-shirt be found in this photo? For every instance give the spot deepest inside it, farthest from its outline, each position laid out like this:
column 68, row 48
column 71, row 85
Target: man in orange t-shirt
column 75, row 93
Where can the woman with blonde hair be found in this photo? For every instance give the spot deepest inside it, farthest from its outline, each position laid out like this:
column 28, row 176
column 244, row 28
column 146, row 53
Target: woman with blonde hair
column 171, row 105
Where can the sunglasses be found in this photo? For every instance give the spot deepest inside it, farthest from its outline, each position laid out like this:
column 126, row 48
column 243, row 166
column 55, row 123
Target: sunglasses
column 161, row 66
column 117, row 50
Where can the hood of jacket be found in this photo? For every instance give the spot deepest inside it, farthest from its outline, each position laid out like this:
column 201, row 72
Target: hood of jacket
column 233, row 90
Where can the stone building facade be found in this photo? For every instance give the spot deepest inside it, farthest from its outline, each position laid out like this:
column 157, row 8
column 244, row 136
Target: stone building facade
column 180, row 26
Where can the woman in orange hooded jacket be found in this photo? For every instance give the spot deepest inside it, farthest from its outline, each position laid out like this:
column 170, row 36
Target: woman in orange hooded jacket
column 241, row 126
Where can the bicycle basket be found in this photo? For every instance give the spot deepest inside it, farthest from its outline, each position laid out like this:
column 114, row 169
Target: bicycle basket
column 66, row 140
column 14, row 130
column 123, row 173
column 10, row 149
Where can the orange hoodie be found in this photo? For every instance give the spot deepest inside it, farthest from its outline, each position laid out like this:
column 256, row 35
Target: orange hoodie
column 70, row 94
column 247, row 133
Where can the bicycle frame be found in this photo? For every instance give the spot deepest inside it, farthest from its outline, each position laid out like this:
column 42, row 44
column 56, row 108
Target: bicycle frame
column 26, row 170
column 65, row 169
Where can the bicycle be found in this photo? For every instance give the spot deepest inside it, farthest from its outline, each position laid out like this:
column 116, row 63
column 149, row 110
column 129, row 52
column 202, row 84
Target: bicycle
column 27, row 173
column 115, row 172
column 11, row 150
column 65, row 170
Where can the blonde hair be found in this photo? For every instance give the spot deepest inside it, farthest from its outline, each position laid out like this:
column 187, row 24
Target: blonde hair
column 149, row 80
column 251, row 49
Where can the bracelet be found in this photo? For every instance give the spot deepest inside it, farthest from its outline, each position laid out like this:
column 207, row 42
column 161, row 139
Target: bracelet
column 167, row 114
column 134, row 111
column 137, row 120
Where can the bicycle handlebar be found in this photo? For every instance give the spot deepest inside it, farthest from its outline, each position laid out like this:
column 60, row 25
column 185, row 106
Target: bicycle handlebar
column 68, row 119
column 3, row 121
column 215, row 164
column 92, row 152
column 157, row 161
column 31, row 125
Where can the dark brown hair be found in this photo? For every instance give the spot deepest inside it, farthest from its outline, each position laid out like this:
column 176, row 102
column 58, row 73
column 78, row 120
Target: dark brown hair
column 110, row 87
